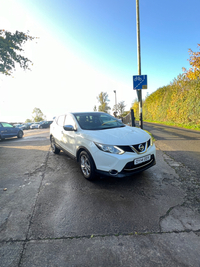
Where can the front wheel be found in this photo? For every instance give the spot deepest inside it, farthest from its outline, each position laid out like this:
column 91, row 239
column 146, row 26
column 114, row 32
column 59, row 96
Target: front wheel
column 20, row 134
column 54, row 148
column 87, row 165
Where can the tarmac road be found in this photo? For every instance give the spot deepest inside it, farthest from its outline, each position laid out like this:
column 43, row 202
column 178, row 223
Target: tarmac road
column 51, row 216
column 183, row 145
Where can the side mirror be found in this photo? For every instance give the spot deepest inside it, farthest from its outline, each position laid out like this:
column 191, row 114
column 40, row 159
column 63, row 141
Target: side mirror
column 69, row 128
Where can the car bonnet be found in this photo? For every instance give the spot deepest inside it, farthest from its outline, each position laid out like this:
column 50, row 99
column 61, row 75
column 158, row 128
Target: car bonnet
column 117, row 136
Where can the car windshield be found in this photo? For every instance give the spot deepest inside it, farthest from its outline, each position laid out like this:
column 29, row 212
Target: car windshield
column 97, row 121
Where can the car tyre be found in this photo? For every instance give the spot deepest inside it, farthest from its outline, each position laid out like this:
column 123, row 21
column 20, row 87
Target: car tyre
column 87, row 165
column 20, row 134
column 54, row 148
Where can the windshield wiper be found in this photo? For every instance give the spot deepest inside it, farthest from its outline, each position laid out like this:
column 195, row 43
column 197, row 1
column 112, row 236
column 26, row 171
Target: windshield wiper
column 108, row 122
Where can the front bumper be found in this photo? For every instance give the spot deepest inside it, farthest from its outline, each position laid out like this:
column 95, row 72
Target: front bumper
column 106, row 161
column 129, row 169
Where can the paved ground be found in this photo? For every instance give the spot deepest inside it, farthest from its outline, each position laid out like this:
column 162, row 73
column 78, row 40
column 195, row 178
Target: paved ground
column 51, row 216
column 182, row 145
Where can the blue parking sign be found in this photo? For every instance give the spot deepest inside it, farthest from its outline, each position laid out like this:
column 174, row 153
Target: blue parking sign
column 139, row 82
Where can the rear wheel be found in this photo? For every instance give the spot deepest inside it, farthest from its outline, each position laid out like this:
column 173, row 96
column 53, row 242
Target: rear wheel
column 87, row 165
column 54, row 148
column 1, row 138
column 20, row 134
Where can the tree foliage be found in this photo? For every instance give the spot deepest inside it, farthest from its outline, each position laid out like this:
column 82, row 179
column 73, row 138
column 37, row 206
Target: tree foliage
column 194, row 72
column 27, row 120
column 103, row 100
column 135, row 108
column 11, row 51
column 178, row 103
column 37, row 115
column 119, row 108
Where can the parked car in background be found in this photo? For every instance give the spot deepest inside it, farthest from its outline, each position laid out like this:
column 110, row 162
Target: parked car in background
column 35, row 125
column 24, row 126
column 18, row 125
column 102, row 144
column 45, row 124
column 7, row 130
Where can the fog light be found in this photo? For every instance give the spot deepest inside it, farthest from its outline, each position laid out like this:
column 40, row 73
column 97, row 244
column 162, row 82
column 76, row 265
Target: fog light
column 113, row 172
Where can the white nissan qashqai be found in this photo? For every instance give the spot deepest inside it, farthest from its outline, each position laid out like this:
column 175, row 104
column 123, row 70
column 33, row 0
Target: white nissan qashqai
column 102, row 144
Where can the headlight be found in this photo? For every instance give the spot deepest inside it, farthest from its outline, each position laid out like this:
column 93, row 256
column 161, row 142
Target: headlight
column 110, row 149
column 151, row 141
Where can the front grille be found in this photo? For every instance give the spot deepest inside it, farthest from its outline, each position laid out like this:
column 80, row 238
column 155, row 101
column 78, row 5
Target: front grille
column 130, row 166
column 126, row 148
column 135, row 148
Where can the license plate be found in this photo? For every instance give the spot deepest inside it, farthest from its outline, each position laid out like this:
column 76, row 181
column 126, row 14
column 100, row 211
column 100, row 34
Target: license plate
column 143, row 159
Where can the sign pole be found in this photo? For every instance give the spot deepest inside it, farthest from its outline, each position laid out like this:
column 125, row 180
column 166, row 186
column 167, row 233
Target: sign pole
column 139, row 92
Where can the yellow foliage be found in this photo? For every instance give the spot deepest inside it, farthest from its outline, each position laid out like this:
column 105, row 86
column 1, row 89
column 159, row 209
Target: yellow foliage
column 178, row 102
column 194, row 72
column 135, row 107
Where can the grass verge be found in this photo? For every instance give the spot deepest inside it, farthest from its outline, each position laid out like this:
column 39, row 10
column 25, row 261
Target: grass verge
column 185, row 126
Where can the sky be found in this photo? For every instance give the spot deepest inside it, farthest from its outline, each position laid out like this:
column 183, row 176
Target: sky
column 88, row 47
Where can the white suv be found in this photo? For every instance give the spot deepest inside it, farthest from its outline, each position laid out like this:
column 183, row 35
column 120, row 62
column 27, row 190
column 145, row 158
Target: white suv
column 102, row 144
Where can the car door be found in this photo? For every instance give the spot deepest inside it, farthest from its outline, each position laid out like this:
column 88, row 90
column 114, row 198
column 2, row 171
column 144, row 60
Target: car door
column 69, row 137
column 2, row 131
column 9, row 130
column 58, row 129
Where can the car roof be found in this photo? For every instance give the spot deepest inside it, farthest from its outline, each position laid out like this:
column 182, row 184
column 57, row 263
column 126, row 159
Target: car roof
column 86, row 112
column 81, row 112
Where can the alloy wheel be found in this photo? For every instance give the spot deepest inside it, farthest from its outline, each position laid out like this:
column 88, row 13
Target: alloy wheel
column 85, row 166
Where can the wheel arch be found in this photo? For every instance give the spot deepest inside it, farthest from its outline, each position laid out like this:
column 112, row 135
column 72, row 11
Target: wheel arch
column 79, row 150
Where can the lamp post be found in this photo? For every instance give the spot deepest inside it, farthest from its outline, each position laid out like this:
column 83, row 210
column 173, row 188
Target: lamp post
column 115, row 97
column 139, row 92
column 115, row 112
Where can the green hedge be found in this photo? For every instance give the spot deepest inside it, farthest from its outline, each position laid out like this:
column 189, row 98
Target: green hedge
column 177, row 103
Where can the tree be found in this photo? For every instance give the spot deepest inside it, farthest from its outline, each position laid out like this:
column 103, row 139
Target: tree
column 27, row 120
column 119, row 108
column 103, row 100
column 135, row 107
column 11, row 51
column 37, row 115
column 95, row 108
column 194, row 72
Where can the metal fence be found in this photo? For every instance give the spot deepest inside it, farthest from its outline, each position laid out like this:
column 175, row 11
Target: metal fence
column 129, row 119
